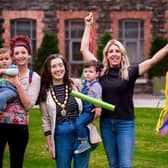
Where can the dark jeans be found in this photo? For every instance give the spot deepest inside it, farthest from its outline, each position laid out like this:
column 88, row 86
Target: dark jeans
column 17, row 138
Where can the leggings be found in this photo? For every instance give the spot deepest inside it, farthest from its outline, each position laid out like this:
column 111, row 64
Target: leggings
column 17, row 138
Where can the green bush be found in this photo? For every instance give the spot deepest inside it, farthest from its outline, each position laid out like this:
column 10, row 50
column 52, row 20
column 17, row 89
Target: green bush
column 102, row 42
column 161, row 67
column 48, row 46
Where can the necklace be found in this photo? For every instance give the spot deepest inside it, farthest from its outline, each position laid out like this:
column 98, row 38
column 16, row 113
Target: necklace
column 62, row 105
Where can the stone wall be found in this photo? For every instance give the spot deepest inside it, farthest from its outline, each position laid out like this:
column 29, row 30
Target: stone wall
column 104, row 7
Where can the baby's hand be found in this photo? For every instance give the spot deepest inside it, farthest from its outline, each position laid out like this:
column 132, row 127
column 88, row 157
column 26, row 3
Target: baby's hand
column 2, row 71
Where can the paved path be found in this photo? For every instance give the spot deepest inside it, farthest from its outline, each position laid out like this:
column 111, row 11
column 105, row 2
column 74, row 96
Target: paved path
column 148, row 101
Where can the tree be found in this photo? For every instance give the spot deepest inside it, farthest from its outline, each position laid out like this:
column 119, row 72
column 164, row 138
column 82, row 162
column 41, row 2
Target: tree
column 48, row 46
column 103, row 41
column 161, row 67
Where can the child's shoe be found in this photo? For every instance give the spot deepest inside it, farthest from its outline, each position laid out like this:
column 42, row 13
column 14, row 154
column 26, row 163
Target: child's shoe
column 84, row 146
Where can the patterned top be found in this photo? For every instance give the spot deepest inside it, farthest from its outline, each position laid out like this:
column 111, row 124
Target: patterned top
column 15, row 112
column 71, row 107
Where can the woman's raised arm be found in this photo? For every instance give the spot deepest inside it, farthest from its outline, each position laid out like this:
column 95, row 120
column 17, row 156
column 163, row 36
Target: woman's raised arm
column 146, row 65
column 87, row 55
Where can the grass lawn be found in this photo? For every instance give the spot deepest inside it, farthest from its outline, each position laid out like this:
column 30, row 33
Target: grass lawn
column 151, row 151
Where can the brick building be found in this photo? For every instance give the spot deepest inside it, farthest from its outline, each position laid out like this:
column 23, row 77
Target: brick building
column 134, row 23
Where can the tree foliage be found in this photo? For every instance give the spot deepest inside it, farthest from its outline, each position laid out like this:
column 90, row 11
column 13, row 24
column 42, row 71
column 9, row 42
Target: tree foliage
column 161, row 67
column 102, row 42
column 48, row 46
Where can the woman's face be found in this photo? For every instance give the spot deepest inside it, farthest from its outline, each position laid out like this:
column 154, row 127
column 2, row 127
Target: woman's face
column 57, row 70
column 114, row 56
column 21, row 55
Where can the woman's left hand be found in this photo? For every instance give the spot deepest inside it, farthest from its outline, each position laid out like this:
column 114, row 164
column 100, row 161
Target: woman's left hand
column 97, row 111
column 14, row 80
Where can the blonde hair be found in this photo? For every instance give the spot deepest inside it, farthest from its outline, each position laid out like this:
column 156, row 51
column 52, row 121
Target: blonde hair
column 124, row 58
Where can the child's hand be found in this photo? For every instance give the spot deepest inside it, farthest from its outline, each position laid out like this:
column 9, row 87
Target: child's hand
column 97, row 111
column 2, row 71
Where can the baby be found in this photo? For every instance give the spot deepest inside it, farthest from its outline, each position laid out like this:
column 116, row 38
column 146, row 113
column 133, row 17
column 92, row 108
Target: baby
column 7, row 90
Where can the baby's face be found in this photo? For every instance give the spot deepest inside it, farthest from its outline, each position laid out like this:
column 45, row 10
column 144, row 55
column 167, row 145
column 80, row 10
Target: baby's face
column 5, row 60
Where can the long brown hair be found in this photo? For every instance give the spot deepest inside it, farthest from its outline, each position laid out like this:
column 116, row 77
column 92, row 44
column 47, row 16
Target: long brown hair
column 46, row 77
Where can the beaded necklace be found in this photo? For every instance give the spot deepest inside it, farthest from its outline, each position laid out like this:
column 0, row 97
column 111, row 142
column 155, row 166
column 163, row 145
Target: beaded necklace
column 62, row 105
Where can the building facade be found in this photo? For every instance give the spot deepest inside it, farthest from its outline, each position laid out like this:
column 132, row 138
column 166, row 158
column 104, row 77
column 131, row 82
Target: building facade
column 132, row 22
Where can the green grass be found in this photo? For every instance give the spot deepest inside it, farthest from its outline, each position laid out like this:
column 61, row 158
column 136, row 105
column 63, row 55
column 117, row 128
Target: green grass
column 151, row 151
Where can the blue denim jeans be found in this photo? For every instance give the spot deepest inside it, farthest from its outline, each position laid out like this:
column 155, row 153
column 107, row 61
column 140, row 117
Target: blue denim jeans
column 81, row 123
column 118, row 141
column 7, row 91
column 66, row 141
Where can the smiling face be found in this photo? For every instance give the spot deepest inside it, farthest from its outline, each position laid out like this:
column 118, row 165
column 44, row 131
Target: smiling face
column 114, row 56
column 21, row 55
column 57, row 70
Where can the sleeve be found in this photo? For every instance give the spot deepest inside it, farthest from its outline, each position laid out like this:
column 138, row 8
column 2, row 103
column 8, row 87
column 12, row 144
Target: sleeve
column 134, row 72
column 11, row 71
column 34, row 88
column 46, row 125
column 96, row 91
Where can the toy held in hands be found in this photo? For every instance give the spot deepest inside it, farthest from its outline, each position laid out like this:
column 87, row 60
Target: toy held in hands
column 92, row 100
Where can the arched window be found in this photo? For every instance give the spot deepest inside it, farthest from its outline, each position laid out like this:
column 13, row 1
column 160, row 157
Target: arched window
column 73, row 33
column 25, row 27
column 131, row 34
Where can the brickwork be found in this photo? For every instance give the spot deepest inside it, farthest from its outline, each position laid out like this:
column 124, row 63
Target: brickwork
column 146, row 16
column 53, row 11
column 166, row 24
column 64, row 15
column 9, row 15
column 51, row 14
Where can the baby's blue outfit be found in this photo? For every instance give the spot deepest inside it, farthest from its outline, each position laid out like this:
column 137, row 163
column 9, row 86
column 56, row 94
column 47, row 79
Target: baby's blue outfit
column 7, row 90
column 87, row 115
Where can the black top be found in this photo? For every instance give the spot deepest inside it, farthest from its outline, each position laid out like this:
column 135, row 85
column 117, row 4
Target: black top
column 119, row 93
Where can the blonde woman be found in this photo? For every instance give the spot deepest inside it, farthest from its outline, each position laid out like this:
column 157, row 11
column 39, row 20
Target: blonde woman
column 118, row 81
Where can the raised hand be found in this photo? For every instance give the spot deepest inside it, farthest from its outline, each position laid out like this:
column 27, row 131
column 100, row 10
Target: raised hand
column 89, row 18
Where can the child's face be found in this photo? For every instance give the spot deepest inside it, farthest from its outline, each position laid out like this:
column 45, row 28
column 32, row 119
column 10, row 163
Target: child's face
column 5, row 60
column 90, row 73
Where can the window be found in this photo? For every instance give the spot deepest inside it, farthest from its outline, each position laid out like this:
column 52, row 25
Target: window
column 131, row 34
column 25, row 27
column 73, row 33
